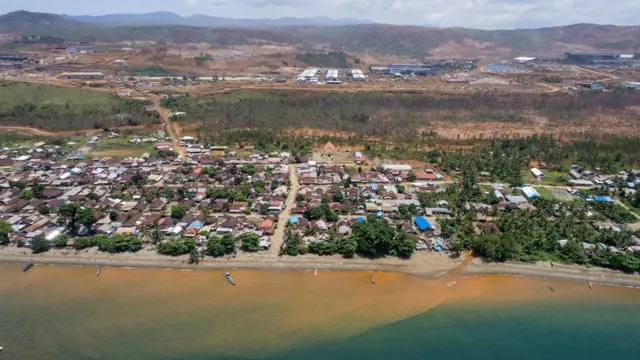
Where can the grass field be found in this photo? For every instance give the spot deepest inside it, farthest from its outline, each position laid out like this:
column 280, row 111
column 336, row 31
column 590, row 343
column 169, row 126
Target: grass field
column 12, row 94
column 119, row 147
column 545, row 193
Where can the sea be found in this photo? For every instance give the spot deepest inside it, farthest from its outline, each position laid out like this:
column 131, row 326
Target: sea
column 57, row 312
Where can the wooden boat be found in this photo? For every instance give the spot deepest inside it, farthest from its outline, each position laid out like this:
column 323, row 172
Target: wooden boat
column 551, row 287
column 228, row 276
column 590, row 285
column 27, row 267
column 452, row 283
column 99, row 270
column 315, row 273
column 373, row 280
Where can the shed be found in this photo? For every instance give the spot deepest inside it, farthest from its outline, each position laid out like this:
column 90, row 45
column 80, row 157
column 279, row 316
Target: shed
column 537, row 173
column 422, row 223
column 530, row 192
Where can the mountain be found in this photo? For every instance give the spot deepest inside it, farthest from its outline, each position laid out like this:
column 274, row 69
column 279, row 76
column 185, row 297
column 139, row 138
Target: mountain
column 410, row 41
column 450, row 42
column 25, row 20
column 169, row 18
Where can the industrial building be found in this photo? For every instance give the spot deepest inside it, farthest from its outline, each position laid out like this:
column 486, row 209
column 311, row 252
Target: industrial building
column 81, row 76
column 13, row 58
column 11, row 66
column 593, row 58
column 404, row 69
column 357, row 75
column 308, row 75
column 333, row 77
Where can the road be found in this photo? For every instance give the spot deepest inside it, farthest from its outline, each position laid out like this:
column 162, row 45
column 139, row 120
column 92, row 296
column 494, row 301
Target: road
column 278, row 236
column 164, row 115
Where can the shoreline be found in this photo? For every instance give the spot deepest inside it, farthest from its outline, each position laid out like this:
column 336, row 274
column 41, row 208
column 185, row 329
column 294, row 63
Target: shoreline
column 544, row 270
column 427, row 265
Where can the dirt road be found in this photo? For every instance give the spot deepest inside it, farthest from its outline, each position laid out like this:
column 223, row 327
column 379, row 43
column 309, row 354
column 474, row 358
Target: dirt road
column 278, row 236
column 164, row 115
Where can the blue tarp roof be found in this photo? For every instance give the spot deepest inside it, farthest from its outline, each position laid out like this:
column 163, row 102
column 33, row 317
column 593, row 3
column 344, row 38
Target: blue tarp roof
column 379, row 214
column 360, row 220
column 422, row 223
column 196, row 224
column 601, row 198
column 374, row 187
column 293, row 219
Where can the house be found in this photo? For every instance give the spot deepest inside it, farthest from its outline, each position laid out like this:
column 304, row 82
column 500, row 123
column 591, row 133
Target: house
column 267, row 227
column 529, row 192
column 422, row 223
column 575, row 175
column 537, row 173
column 228, row 225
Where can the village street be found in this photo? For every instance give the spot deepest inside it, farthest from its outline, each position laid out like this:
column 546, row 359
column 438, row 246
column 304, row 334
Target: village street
column 278, row 236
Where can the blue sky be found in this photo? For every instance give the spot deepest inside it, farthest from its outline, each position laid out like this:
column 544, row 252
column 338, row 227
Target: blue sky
column 480, row 14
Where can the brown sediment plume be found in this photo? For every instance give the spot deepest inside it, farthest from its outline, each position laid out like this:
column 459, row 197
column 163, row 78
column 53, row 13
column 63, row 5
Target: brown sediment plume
column 266, row 312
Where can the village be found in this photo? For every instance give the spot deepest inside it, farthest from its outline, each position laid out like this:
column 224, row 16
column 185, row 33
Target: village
column 254, row 199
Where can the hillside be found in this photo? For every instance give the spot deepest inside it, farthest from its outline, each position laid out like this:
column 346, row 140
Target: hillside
column 25, row 23
column 413, row 41
column 199, row 20
column 420, row 41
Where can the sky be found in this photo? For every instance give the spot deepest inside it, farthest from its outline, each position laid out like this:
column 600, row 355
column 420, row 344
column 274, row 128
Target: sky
column 479, row 14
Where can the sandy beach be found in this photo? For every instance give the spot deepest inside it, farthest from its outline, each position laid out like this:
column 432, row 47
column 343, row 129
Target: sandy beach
column 557, row 271
column 427, row 264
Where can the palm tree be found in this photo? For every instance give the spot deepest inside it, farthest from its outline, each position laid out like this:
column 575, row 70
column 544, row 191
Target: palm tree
column 143, row 230
column 156, row 234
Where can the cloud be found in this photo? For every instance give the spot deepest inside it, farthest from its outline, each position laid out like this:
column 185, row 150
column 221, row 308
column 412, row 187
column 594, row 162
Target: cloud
column 483, row 14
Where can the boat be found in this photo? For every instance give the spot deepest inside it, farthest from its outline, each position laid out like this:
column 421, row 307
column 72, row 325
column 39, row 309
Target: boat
column 27, row 267
column 551, row 287
column 590, row 285
column 373, row 280
column 452, row 283
column 315, row 273
column 228, row 276
column 99, row 269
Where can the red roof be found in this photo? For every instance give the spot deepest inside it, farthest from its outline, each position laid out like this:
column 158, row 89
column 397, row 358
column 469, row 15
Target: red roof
column 267, row 224
column 329, row 146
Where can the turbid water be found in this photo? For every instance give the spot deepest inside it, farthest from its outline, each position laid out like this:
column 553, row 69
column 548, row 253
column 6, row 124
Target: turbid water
column 69, row 313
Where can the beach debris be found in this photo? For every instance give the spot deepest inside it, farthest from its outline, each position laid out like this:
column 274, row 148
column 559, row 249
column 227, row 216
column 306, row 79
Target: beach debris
column 551, row 287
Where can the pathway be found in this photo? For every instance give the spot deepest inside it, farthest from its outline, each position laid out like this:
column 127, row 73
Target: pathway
column 164, row 115
column 278, row 236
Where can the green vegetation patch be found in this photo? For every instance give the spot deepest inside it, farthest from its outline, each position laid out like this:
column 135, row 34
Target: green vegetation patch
column 59, row 108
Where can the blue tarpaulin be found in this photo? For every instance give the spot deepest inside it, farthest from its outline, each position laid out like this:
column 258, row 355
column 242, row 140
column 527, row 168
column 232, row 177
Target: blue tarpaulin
column 293, row 219
column 422, row 223
column 360, row 220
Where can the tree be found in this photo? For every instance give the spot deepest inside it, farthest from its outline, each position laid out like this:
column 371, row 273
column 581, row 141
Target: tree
column 299, row 197
column 375, row 237
column 194, row 257
column 5, row 227
column 411, row 177
column 86, row 217
column 4, row 239
column 331, row 216
column 177, row 247
column 39, row 244
column 44, row 210
column 37, row 191
column 178, row 211
column 26, row 195
column 405, row 245
column 156, row 233
column 68, row 212
column 138, row 180
column 338, row 197
column 313, row 213
column 250, row 242
column 168, row 193
column 214, row 247
column 61, row 241
column 347, row 246
column 113, row 215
